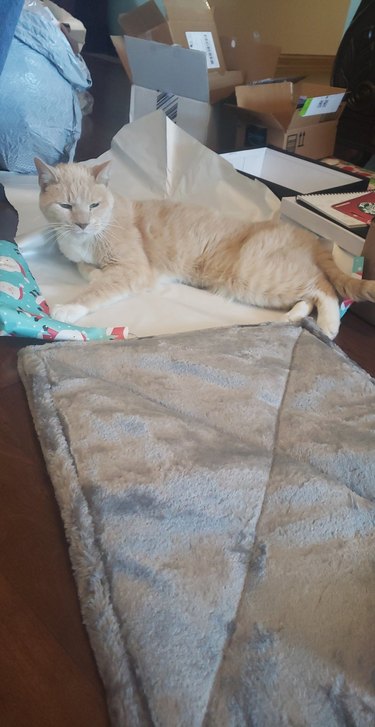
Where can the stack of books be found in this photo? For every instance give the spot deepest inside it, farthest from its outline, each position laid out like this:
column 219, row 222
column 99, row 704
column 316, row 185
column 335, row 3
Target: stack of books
column 350, row 209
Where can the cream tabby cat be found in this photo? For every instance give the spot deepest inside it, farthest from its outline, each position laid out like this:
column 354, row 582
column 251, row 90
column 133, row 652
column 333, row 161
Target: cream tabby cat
column 122, row 247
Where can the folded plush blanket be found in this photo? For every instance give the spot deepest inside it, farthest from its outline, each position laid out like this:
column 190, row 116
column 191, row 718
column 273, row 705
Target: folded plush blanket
column 218, row 490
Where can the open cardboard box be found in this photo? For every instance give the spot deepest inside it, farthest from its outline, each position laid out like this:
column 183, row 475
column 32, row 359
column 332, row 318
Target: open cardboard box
column 173, row 79
column 299, row 117
column 190, row 25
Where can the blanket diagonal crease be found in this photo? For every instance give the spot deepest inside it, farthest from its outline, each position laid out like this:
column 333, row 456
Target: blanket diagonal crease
column 217, row 490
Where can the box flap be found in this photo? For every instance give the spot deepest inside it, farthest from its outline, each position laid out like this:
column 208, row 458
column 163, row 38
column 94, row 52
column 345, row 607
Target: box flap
column 317, row 100
column 298, row 121
column 141, row 20
column 190, row 25
column 256, row 60
column 188, row 10
column 316, row 103
column 222, row 85
column 198, row 34
column 273, row 99
column 118, row 42
column 293, row 105
column 167, row 68
column 304, row 88
column 242, row 48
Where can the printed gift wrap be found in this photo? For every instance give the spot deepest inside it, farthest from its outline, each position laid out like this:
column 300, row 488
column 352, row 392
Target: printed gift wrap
column 357, row 272
column 24, row 312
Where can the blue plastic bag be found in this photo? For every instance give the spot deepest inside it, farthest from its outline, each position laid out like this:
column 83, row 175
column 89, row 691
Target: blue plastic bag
column 40, row 113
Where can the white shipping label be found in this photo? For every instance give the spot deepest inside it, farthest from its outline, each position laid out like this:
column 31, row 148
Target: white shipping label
column 204, row 41
column 321, row 104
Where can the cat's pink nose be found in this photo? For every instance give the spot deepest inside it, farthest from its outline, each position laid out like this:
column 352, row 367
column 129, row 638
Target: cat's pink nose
column 82, row 225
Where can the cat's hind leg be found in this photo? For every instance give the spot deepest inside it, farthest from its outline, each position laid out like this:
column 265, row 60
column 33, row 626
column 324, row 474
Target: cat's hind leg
column 328, row 311
column 299, row 311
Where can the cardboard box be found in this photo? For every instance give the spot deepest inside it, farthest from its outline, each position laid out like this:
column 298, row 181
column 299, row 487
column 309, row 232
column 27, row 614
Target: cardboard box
column 301, row 118
column 256, row 60
column 190, row 25
column 173, row 79
column 288, row 174
column 241, row 52
column 77, row 30
column 242, row 48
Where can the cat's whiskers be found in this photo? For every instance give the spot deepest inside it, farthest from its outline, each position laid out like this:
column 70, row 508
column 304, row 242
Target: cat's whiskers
column 109, row 228
column 111, row 224
column 62, row 235
column 62, row 229
column 56, row 231
column 50, row 234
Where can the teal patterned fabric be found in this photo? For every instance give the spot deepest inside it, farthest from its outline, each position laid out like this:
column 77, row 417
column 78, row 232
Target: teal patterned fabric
column 24, row 311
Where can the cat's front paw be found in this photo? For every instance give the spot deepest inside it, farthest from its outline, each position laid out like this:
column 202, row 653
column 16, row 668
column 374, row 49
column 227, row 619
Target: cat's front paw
column 68, row 313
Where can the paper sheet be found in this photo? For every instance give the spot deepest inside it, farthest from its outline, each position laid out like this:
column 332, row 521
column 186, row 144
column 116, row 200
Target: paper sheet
column 151, row 158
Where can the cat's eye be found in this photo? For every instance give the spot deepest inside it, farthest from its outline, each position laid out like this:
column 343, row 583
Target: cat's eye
column 94, row 204
column 65, row 205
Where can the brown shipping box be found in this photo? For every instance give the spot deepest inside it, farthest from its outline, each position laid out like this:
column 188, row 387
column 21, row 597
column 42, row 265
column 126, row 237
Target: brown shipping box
column 189, row 24
column 301, row 117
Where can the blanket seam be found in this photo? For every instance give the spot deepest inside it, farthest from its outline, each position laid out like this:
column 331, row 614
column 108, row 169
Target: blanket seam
column 240, row 600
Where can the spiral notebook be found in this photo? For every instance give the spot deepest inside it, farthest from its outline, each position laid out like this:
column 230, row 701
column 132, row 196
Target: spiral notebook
column 350, row 209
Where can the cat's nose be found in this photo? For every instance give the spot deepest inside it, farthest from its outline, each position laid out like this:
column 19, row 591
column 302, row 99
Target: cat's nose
column 82, row 225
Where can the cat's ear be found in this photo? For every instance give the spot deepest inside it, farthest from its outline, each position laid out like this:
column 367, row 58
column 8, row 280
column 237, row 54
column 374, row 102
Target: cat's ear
column 46, row 174
column 101, row 172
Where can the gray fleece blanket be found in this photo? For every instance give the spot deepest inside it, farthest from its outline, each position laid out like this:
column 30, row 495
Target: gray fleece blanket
column 217, row 490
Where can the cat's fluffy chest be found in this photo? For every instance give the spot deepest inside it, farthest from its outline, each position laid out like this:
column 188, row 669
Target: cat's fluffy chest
column 78, row 248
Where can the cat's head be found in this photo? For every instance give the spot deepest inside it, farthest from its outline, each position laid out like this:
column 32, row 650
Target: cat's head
column 75, row 197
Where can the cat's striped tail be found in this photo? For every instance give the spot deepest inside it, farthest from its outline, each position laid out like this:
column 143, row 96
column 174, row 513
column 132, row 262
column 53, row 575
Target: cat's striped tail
column 346, row 286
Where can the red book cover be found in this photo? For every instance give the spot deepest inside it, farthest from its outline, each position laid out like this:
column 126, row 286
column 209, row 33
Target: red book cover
column 361, row 208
